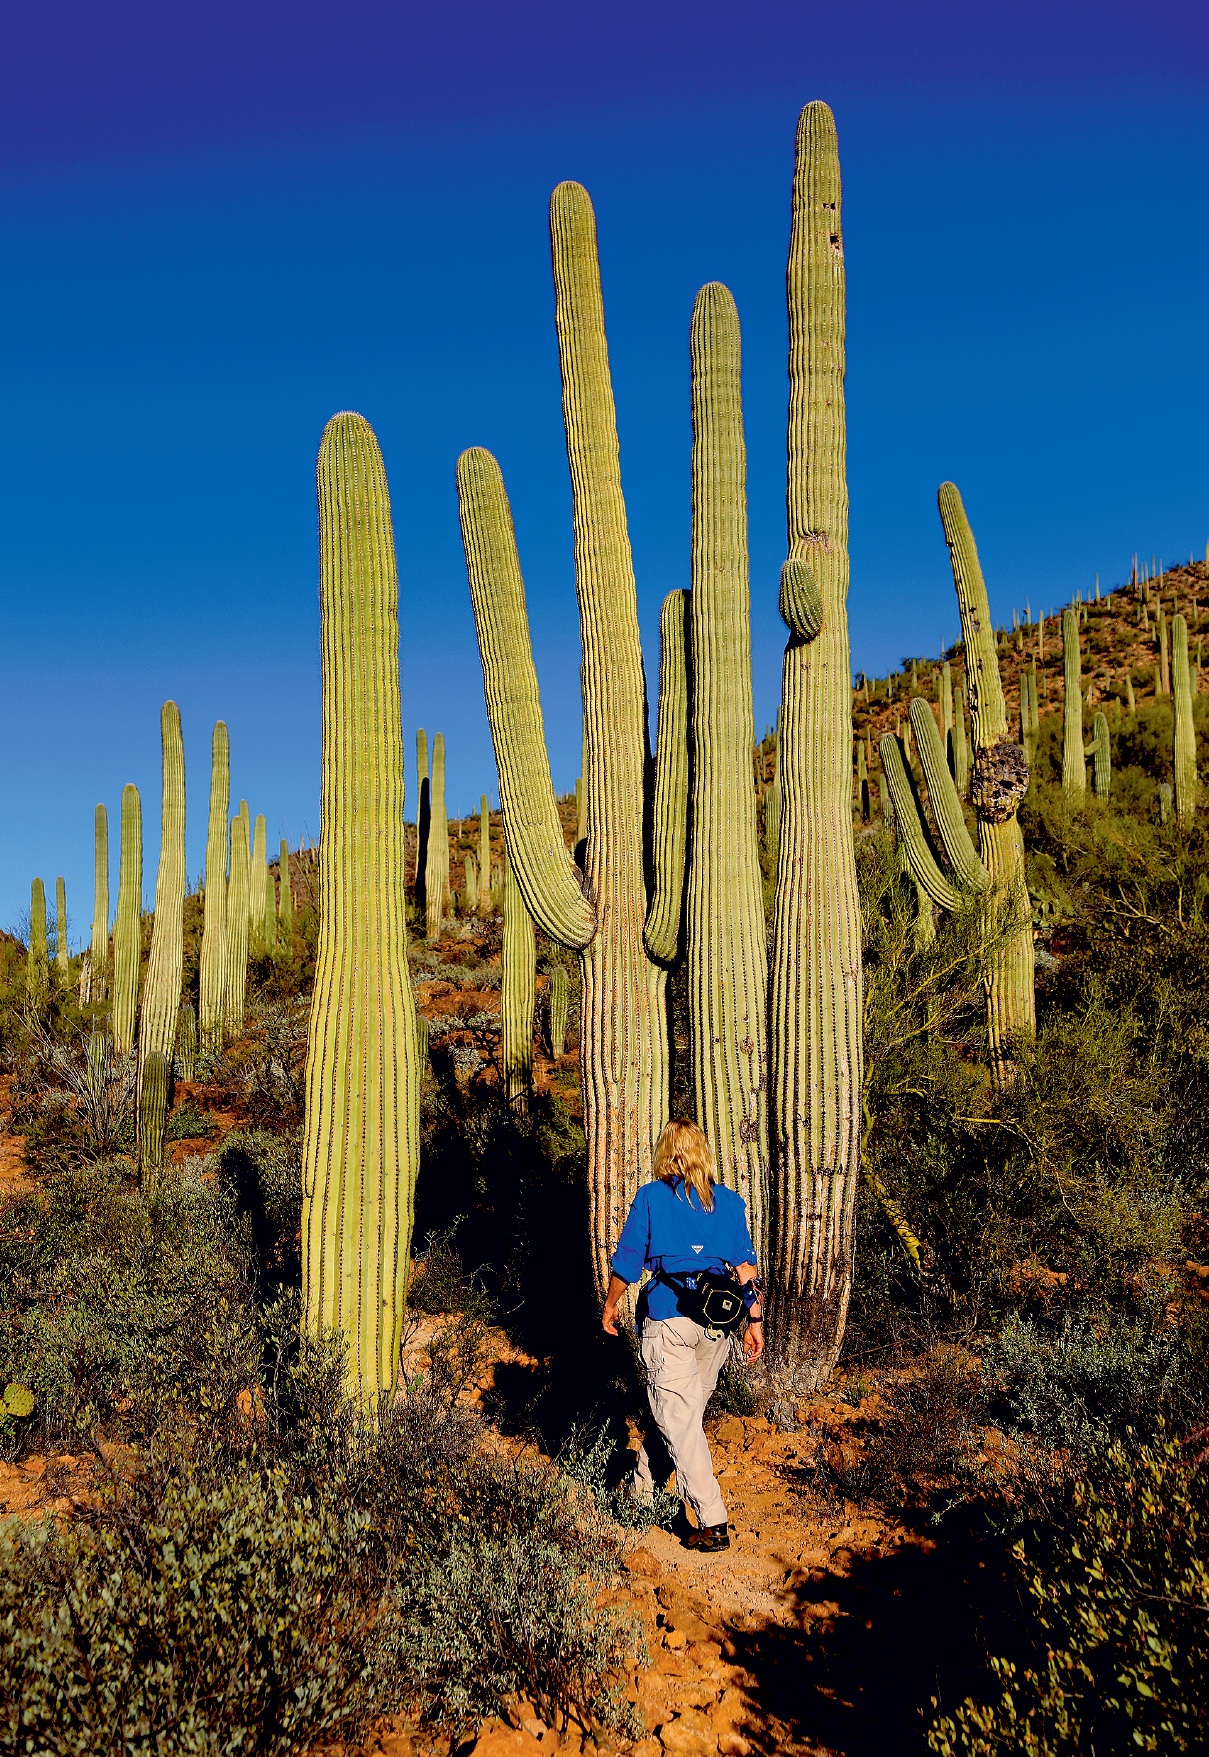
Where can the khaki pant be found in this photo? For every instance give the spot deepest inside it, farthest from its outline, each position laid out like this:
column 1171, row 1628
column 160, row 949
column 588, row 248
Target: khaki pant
column 682, row 1366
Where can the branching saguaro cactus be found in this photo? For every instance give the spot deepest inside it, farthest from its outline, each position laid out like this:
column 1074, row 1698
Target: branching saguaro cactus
column 212, row 980
column 165, row 961
column 99, row 955
column 37, row 963
column 1074, row 772
column 239, row 886
column 518, row 997
column 62, row 956
column 727, row 938
column 484, row 854
column 436, row 871
column 624, row 1031
column 817, row 999
column 1184, row 751
column 362, row 1139
column 999, row 782
column 127, row 932
column 558, row 1004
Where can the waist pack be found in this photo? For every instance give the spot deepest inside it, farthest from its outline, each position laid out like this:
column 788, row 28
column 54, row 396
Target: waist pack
column 710, row 1298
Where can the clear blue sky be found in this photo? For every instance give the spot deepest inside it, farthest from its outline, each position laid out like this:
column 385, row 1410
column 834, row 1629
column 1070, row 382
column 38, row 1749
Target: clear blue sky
column 220, row 224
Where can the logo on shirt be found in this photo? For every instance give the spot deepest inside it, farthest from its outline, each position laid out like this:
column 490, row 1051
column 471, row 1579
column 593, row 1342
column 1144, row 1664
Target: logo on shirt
column 698, row 1249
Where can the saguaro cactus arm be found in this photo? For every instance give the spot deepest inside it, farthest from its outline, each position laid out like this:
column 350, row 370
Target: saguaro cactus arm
column 165, row 962
column 544, row 870
column 669, row 828
column 970, row 873
column 912, row 828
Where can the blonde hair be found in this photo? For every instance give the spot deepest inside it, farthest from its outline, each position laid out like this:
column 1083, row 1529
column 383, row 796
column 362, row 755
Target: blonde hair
column 683, row 1154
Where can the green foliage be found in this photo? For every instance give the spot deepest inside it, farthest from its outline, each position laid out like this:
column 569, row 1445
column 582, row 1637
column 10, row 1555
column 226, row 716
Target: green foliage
column 1118, row 1595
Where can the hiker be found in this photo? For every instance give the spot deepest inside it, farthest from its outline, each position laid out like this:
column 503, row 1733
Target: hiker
column 692, row 1234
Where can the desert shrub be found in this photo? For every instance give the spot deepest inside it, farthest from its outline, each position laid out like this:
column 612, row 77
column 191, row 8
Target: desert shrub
column 262, row 1174
column 1119, row 1594
column 270, row 1061
column 925, row 1448
column 194, row 1616
column 1089, row 1379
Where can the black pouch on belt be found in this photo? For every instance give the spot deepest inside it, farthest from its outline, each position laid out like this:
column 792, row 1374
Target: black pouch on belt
column 709, row 1298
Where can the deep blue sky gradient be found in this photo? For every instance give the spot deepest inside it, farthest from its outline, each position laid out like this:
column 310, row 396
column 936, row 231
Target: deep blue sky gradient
column 218, row 229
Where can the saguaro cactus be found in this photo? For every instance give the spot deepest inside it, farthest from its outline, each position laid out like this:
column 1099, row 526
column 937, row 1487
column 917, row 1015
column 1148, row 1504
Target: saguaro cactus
column 518, row 997
column 239, row 887
column 1074, row 773
column 484, row 854
column 153, row 1114
column 1163, row 675
column 62, row 956
column 961, row 744
column 128, row 927
column 1100, row 751
column 558, row 1003
column 423, row 817
column 212, row 979
column 625, row 1044
column 817, row 999
column 186, row 1042
column 165, row 961
column 669, row 817
column 37, row 963
column 285, row 899
column 436, row 871
column 471, row 892
column 1184, row 753
column 999, row 782
column 361, row 1147
column 99, row 957
column 727, row 938
column 257, row 885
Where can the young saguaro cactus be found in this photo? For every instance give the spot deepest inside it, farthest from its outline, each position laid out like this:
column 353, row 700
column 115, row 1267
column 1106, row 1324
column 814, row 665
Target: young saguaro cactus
column 62, row 955
column 602, row 912
column 127, row 932
column 436, row 871
column 1100, row 751
column 285, row 899
column 37, row 963
column 1074, row 772
column 165, row 961
column 361, row 1148
column 1184, row 752
column 727, row 937
column 99, row 956
column 153, row 1115
column 186, row 1042
column 212, row 980
column 518, row 997
column 484, row 855
column 558, row 1003
column 258, row 884
column 817, row 986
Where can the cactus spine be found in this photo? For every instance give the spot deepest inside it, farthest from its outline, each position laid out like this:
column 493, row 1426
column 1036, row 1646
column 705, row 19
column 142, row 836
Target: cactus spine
column 1184, row 753
column 817, row 999
column 557, row 1006
column 37, row 963
column 62, row 957
column 1074, row 774
column 996, row 789
column 165, row 961
column 484, row 854
column 727, row 936
column 212, row 979
column 361, row 1146
column 518, row 997
column 239, row 890
column 624, row 1033
column 99, row 956
column 669, row 819
column 127, row 932
column 436, row 871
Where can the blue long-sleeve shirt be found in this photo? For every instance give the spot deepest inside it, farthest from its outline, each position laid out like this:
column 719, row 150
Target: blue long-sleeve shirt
column 667, row 1228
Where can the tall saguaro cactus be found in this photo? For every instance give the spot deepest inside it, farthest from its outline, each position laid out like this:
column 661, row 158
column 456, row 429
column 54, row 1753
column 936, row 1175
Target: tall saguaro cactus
column 727, row 944
column 624, row 1031
column 127, row 931
column 258, row 885
column 165, row 961
column 1074, row 772
column 518, row 997
column 239, row 892
column 436, row 872
column 1184, row 752
column 37, row 964
column 99, row 957
column 362, row 1140
column 212, row 980
column 62, row 955
column 285, row 899
column 817, row 993
column 999, row 782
